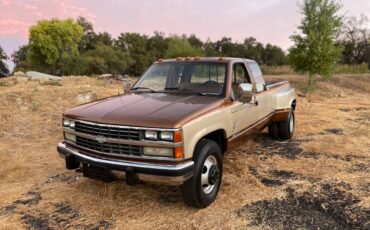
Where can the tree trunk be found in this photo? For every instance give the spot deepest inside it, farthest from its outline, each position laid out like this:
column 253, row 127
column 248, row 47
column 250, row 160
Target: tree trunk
column 311, row 80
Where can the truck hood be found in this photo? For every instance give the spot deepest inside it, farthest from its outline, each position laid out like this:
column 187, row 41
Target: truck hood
column 146, row 109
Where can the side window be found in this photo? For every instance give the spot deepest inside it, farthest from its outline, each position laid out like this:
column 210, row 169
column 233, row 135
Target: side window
column 240, row 75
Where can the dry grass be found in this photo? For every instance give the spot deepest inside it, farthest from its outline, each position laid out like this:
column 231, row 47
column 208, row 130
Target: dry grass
column 320, row 179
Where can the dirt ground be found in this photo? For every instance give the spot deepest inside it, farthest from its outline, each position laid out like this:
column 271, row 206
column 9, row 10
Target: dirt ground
column 318, row 180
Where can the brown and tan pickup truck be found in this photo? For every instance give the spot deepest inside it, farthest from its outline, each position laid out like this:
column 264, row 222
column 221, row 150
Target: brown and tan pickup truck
column 176, row 124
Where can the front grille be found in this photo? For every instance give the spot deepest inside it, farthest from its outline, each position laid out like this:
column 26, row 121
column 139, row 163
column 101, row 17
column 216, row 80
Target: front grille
column 107, row 131
column 113, row 148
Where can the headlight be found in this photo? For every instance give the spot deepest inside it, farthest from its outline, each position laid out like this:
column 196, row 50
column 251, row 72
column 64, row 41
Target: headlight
column 70, row 137
column 151, row 135
column 162, row 152
column 72, row 124
column 68, row 123
column 166, row 136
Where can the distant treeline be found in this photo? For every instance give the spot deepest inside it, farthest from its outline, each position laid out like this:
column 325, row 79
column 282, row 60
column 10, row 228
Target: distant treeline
column 68, row 47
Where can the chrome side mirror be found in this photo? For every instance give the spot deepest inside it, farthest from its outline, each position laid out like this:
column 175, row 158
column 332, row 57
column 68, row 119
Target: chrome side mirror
column 247, row 93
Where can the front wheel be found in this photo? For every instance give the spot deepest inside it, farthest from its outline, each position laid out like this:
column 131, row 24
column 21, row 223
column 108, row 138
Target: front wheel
column 202, row 189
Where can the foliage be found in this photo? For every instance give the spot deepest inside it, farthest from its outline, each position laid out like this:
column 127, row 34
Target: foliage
column 19, row 57
column 352, row 69
column 314, row 50
column 51, row 41
column 105, row 59
column 273, row 56
column 277, row 70
column 135, row 45
column 157, row 45
column 355, row 41
column 4, row 71
column 180, row 47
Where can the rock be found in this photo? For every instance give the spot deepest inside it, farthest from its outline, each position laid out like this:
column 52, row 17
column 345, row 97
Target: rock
column 19, row 74
column 43, row 80
column 21, row 79
column 86, row 97
column 32, row 75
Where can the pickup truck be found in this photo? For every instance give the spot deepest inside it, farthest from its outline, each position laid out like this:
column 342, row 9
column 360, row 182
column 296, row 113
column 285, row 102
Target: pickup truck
column 176, row 124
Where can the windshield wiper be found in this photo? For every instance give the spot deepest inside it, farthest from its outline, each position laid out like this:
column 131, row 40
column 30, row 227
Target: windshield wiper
column 171, row 88
column 146, row 88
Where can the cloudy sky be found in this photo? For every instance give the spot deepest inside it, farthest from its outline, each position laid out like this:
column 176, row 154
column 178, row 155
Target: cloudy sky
column 270, row 21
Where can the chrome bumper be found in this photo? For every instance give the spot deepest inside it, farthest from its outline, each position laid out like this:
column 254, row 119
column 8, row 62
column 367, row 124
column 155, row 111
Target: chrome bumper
column 160, row 173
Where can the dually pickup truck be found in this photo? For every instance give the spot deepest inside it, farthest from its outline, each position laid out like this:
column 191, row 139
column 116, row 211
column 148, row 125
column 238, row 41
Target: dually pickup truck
column 176, row 124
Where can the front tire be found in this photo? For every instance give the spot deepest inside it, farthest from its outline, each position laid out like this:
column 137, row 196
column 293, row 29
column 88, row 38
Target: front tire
column 201, row 190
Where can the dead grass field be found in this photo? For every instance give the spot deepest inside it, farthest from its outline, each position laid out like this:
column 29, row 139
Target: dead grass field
column 320, row 179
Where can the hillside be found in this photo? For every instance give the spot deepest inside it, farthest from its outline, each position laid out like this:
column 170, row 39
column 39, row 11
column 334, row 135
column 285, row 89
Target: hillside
column 319, row 179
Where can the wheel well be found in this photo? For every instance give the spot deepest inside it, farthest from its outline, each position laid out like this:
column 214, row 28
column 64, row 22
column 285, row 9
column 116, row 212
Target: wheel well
column 219, row 136
column 294, row 103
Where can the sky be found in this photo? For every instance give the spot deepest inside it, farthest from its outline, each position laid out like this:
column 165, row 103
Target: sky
column 270, row 21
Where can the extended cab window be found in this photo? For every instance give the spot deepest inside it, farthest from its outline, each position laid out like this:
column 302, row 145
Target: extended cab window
column 240, row 75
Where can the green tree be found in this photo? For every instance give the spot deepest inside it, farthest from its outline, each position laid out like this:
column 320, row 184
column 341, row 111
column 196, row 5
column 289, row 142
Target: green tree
column 253, row 49
column 195, row 42
column 180, row 47
column 354, row 39
column 135, row 45
column 4, row 71
column 87, row 41
column 51, row 41
column 105, row 59
column 19, row 57
column 273, row 55
column 314, row 51
column 157, row 45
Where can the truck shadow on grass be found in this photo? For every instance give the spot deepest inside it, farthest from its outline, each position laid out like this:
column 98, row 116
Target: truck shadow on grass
column 291, row 149
column 50, row 215
column 324, row 205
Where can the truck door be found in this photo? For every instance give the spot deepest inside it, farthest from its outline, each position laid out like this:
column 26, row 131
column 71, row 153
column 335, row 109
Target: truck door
column 243, row 115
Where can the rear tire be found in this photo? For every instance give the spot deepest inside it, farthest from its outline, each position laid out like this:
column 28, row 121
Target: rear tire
column 286, row 128
column 273, row 131
column 201, row 190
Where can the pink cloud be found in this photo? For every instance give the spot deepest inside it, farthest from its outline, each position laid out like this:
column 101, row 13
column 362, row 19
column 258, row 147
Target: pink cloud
column 13, row 26
column 18, row 15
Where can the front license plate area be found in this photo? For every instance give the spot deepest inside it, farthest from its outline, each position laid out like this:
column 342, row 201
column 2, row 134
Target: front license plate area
column 97, row 172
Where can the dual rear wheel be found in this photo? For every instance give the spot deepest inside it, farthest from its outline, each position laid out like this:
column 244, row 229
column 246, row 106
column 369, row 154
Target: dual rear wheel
column 283, row 130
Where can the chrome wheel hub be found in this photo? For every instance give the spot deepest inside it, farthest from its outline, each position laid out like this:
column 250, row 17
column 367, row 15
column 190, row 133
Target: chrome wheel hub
column 210, row 175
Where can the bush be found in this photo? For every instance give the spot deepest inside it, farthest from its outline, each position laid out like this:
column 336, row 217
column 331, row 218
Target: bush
column 277, row 70
column 352, row 69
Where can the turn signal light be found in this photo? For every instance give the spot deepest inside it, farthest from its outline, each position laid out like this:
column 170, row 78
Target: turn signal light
column 177, row 137
column 179, row 152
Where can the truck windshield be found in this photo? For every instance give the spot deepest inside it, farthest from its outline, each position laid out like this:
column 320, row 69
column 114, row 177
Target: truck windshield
column 204, row 78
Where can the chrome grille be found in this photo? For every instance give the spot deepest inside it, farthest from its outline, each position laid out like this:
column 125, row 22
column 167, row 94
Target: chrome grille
column 107, row 131
column 112, row 148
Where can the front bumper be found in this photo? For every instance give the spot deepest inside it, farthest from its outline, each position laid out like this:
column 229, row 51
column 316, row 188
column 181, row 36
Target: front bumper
column 174, row 174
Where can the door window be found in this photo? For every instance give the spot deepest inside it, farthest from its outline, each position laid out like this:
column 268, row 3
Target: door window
column 240, row 75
